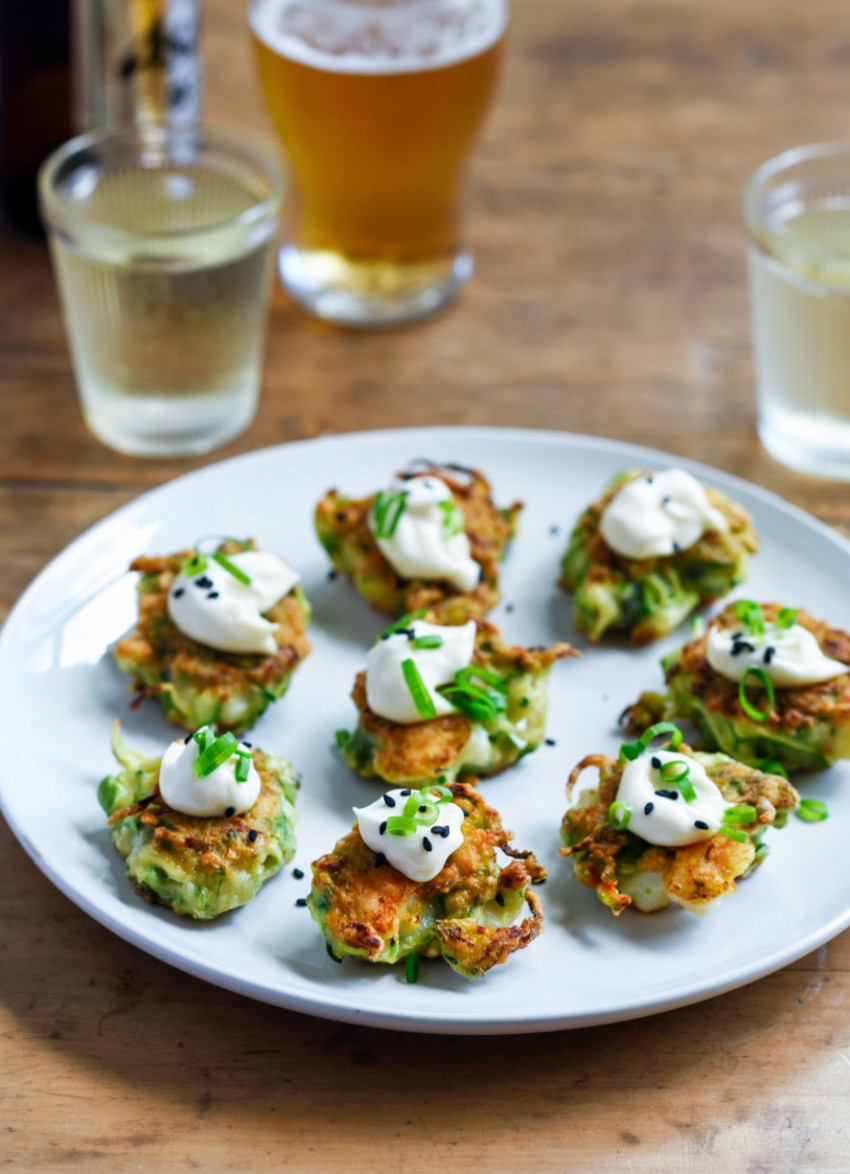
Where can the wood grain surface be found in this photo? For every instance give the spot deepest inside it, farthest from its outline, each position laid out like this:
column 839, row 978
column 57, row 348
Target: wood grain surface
column 609, row 298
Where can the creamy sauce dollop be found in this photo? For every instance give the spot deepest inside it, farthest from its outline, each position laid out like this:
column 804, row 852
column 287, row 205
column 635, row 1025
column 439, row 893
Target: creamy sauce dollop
column 420, row 547
column 789, row 657
column 387, row 691
column 218, row 793
column 659, row 514
column 215, row 609
column 419, row 856
column 659, row 818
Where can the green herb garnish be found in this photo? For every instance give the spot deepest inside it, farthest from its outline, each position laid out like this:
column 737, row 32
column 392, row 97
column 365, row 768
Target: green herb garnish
column 422, row 699
column 453, row 519
column 424, row 642
column 214, row 754
column 387, row 512
column 401, row 624
column 412, row 967
column 231, row 568
column 749, row 613
column 740, row 813
column 758, row 715
column 420, row 808
column 243, row 767
column 731, row 833
column 619, row 815
column 629, row 751
column 770, row 766
column 787, row 617
column 680, row 770
column 813, row 811
column 194, row 565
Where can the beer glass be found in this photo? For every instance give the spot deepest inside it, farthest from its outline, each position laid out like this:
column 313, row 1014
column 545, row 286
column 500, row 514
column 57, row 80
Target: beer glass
column 377, row 105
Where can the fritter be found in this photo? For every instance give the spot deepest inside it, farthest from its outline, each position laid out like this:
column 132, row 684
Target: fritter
column 807, row 728
column 453, row 744
column 341, row 525
column 650, row 597
column 466, row 914
column 200, row 866
column 626, row 870
column 197, row 685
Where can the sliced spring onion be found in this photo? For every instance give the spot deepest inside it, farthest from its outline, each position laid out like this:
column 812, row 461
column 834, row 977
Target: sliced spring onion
column 423, row 642
column 632, row 750
column 341, row 737
column 813, row 810
column 214, row 754
column 762, row 852
column 194, row 565
column 787, row 617
column 480, row 704
column 401, row 623
column 749, row 613
column 731, row 833
column 453, row 519
column 387, row 513
column 243, row 768
column 686, row 789
column 202, row 737
column 231, row 568
column 478, row 672
column 401, row 825
column 740, row 813
column 422, row 699
column 619, row 815
column 697, row 627
column 758, row 715
column 412, row 967
column 770, row 766
column 675, row 771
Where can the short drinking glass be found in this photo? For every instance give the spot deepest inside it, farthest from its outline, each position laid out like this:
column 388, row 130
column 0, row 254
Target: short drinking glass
column 797, row 208
column 163, row 247
column 378, row 103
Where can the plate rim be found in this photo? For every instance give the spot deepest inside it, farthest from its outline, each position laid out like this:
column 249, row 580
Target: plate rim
column 330, row 1006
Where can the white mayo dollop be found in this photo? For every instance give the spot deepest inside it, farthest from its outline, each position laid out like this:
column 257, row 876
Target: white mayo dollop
column 420, row 547
column 215, row 609
column 660, row 819
column 419, row 856
column 659, row 514
column 214, row 794
column 788, row 656
column 387, row 692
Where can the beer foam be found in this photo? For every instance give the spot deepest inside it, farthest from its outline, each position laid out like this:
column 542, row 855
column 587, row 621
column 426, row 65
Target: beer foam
column 378, row 38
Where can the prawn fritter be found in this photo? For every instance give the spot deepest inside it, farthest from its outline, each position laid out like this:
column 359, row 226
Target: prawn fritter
column 627, row 870
column 342, row 525
column 650, row 597
column 466, row 914
column 806, row 728
column 198, row 685
column 457, row 743
column 200, row 866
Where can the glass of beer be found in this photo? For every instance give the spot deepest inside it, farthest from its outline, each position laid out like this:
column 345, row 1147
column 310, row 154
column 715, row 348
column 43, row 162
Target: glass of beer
column 377, row 104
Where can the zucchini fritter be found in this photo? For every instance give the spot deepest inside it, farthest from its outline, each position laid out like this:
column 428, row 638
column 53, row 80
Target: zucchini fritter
column 341, row 526
column 466, row 913
column 808, row 727
column 197, row 685
column 650, row 597
column 200, row 866
column 453, row 744
column 626, row 870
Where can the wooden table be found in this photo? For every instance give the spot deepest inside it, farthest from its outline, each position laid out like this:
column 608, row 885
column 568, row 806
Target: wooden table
column 609, row 298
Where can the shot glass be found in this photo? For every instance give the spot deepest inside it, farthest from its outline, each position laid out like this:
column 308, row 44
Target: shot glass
column 163, row 248
column 797, row 211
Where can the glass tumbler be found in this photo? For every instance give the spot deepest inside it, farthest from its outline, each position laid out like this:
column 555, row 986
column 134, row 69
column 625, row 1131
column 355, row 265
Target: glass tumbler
column 797, row 210
column 378, row 104
column 163, row 245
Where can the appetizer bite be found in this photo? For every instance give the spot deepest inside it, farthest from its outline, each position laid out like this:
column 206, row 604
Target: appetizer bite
column 670, row 826
column 418, row 877
column 437, row 702
column 767, row 684
column 203, row 827
column 654, row 547
column 433, row 540
column 218, row 636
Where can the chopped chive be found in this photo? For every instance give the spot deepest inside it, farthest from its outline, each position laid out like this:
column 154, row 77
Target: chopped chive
column 787, row 617
column 194, row 565
column 453, row 519
column 629, row 751
column 758, row 715
column 341, row 737
column 387, row 513
column 812, row 811
column 731, row 833
column 687, row 790
column 202, row 737
column 619, row 815
column 231, row 568
column 422, row 642
column 749, row 613
column 697, row 627
column 243, row 769
column 400, row 825
column 412, row 968
column 770, row 766
column 740, row 813
column 421, row 697
column 213, row 755
column 402, row 622
column 675, row 771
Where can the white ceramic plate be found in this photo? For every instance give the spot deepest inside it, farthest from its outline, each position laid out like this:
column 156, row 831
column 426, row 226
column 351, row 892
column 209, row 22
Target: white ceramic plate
column 61, row 692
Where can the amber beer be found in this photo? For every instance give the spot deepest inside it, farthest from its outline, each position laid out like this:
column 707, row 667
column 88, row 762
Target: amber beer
column 377, row 106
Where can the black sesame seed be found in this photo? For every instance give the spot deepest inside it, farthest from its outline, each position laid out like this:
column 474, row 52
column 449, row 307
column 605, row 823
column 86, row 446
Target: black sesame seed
column 500, row 898
column 441, row 831
column 551, row 742
column 481, row 575
column 541, row 880
column 331, row 576
column 666, row 499
column 252, row 835
column 741, row 646
column 553, row 530
column 701, row 824
column 649, row 478
column 340, row 516
column 676, row 548
column 204, row 582
column 427, row 845
column 388, row 799
column 422, row 807
column 180, row 591
column 188, row 739
column 509, row 607
column 212, row 595
column 229, row 811
column 648, row 808
column 301, row 902
column 298, row 874
column 250, row 745
column 382, row 828
column 656, row 762
column 405, row 792
column 769, row 654
column 380, row 859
